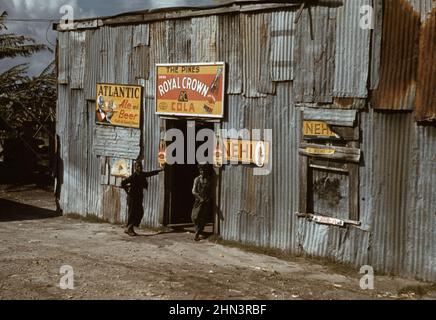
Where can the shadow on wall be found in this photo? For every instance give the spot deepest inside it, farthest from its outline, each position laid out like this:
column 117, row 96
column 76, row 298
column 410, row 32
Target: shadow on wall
column 14, row 211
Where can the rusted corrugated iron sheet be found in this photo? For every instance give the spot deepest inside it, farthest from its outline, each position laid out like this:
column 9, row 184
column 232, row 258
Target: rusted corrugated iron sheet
column 255, row 33
column 124, row 142
column 140, row 59
column 204, row 39
column 347, row 245
column 398, row 177
column 123, row 53
column 423, row 7
column 77, row 58
column 73, row 137
column 92, row 60
column 426, row 91
column 282, row 46
column 107, row 55
column 393, row 138
column 63, row 58
column 230, row 51
column 259, row 210
column 158, row 54
column 399, row 58
column 352, row 51
column 94, row 187
column 140, row 67
column 376, row 44
column 141, row 35
column 334, row 117
column 179, row 40
column 150, row 141
column 314, row 55
column 110, row 205
column 421, row 216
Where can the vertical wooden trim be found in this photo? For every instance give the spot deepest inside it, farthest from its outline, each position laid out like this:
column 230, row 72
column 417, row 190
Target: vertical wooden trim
column 303, row 177
column 163, row 204
column 353, row 178
column 217, row 199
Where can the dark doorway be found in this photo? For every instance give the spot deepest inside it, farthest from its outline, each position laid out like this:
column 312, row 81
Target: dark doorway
column 180, row 179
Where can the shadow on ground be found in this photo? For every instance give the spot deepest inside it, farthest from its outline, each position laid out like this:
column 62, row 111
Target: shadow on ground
column 14, row 211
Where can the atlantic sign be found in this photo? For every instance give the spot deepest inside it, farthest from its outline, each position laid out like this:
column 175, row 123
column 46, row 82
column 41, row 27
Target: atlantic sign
column 118, row 105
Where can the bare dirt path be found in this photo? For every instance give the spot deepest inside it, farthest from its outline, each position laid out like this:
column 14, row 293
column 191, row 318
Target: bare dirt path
column 107, row 264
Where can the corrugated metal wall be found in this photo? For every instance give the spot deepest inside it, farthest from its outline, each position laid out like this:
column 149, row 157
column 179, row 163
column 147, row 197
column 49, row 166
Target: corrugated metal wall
column 397, row 182
column 273, row 64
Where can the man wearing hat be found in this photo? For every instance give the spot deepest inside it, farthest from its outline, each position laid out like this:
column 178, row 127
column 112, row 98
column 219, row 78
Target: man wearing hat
column 203, row 204
column 134, row 186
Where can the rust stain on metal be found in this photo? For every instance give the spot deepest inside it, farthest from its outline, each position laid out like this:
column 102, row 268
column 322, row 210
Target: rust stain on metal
column 426, row 90
column 345, row 103
column 399, row 61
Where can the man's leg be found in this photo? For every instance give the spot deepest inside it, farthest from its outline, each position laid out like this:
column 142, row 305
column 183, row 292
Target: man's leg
column 197, row 232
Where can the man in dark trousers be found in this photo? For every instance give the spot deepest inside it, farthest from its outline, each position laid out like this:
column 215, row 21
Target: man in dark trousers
column 203, row 203
column 134, row 186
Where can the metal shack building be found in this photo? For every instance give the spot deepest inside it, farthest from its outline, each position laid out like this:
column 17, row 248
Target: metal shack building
column 294, row 70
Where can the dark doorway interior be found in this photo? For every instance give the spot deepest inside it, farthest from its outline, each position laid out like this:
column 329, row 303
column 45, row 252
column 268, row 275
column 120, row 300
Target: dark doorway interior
column 180, row 179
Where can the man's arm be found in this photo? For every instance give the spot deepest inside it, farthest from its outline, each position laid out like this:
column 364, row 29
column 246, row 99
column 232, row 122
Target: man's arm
column 153, row 173
column 125, row 184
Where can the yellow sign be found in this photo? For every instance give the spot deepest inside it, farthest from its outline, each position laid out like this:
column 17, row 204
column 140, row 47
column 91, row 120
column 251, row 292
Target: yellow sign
column 318, row 129
column 319, row 151
column 162, row 155
column 194, row 90
column 118, row 105
column 246, row 151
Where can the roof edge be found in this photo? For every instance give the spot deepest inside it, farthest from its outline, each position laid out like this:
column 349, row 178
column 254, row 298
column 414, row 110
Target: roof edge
column 169, row 13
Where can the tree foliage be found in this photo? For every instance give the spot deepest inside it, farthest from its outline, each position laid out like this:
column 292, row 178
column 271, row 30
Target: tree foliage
column 23, row 98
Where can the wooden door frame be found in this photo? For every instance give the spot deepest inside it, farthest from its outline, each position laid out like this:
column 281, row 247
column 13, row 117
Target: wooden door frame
column 165, row 203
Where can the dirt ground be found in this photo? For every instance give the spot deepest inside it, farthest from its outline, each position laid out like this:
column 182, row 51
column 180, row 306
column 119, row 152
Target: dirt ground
column 108, row 264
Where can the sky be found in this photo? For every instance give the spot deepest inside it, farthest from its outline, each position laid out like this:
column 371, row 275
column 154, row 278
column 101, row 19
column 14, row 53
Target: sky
column 49, row 9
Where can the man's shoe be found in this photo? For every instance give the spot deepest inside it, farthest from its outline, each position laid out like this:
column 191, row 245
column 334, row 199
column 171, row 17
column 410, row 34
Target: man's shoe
column 197, row 236
column 130, row 232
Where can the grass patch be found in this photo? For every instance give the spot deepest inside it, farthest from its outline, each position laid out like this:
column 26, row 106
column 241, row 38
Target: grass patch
column 331, row 265
column 91, row 218
column 418, row 290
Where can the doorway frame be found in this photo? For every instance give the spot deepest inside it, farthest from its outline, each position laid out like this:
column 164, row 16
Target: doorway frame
column 164, row 190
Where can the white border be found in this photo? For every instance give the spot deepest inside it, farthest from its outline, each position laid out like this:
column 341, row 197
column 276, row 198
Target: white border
column 221, row 116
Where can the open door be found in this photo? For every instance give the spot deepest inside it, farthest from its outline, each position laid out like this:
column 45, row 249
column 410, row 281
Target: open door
column 179, row 181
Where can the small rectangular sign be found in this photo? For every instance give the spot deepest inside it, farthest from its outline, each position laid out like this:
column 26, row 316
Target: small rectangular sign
column 317, row 129
column 118, row 105
column 320, row 151
column 328, row 220
column 191, row 90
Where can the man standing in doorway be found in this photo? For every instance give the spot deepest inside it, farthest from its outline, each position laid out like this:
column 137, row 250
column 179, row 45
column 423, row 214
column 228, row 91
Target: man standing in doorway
column 134, row 186
column 203, row 204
